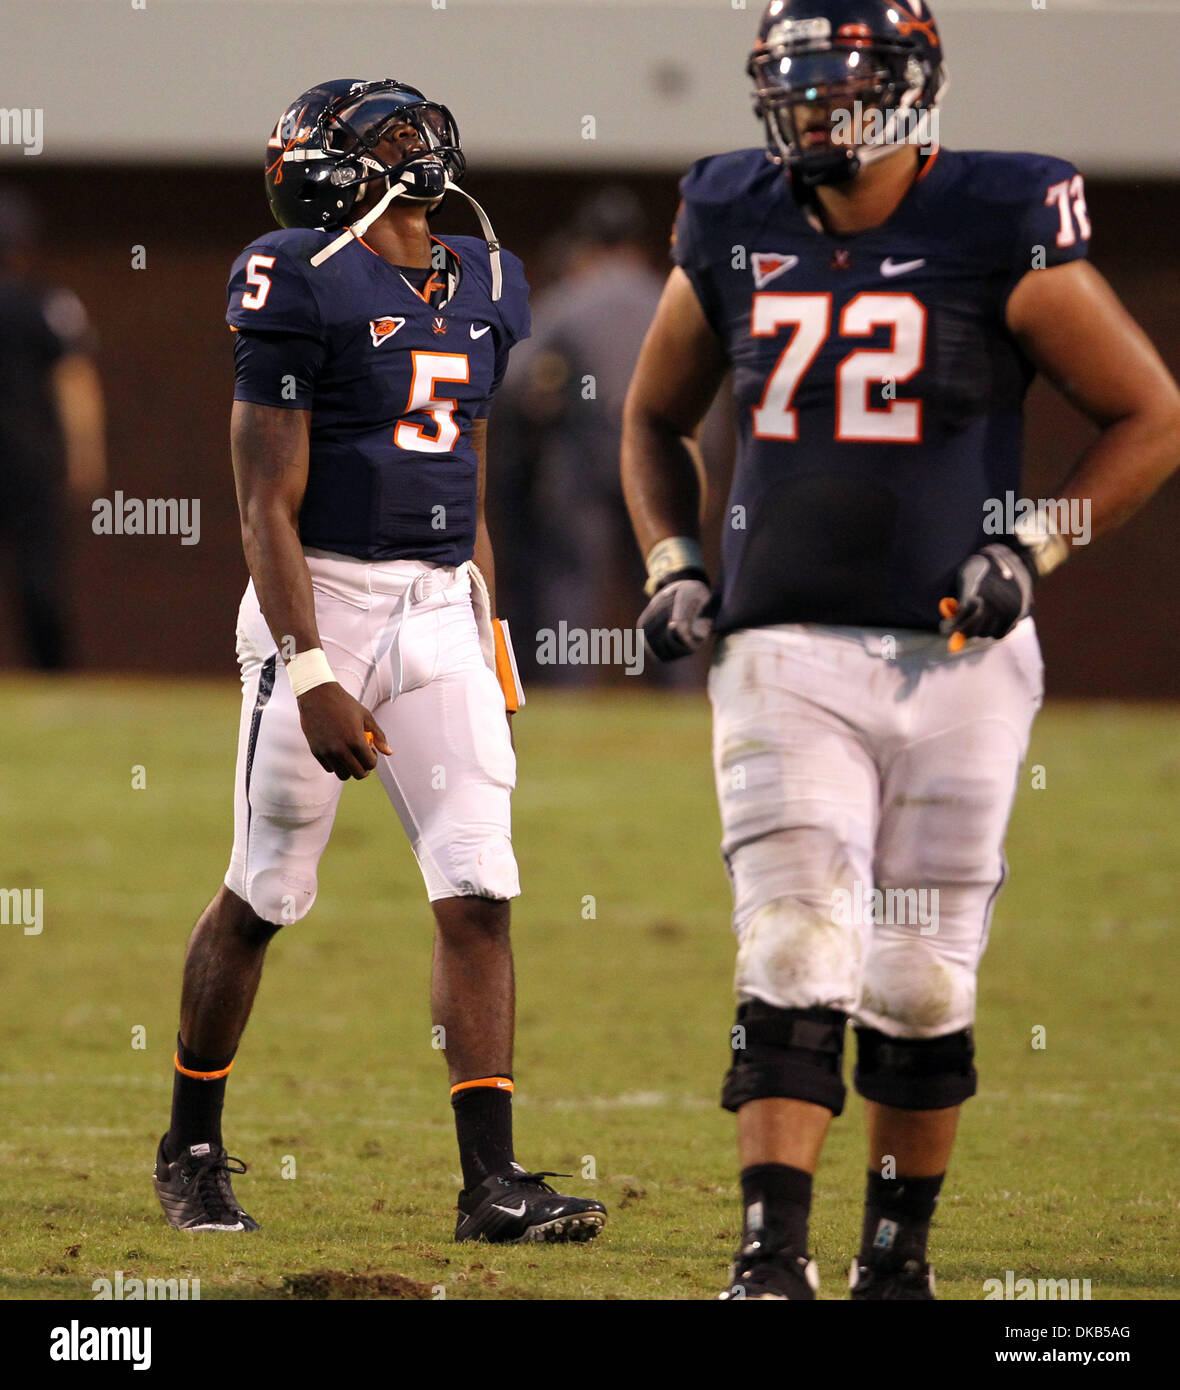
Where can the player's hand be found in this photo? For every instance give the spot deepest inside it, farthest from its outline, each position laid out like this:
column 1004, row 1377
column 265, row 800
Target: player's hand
column 673, row 623
column 341, row 733
column 993, row 591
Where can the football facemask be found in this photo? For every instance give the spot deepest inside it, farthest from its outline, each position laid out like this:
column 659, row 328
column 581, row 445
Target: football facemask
column 828, row 114
column 384, row 136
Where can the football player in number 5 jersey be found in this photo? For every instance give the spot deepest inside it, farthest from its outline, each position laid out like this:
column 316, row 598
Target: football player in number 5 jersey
column 883, row 305
column 367, row 353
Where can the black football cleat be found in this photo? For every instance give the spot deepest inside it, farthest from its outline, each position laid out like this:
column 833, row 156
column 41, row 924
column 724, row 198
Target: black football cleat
column 912, row 1281
column 514, row 1206
column 195, row 1191
column 762, row 1271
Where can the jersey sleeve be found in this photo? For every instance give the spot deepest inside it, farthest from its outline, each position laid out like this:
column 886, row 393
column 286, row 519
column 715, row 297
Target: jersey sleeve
column 278, row 369
column 1052, row 226
column 515, row 322
column 269, row 292
column 279, row 341
column 689, row 253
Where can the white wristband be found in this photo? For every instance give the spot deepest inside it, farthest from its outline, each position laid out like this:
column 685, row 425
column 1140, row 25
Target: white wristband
column 308, row 669
column 1046, row 547
column 669, row 555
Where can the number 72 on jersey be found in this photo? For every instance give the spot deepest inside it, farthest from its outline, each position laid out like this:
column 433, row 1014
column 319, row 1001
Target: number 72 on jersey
column 810, row 315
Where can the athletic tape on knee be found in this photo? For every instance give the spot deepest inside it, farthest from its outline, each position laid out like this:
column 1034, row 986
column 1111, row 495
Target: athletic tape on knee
column 915, row 1073
column 791, row 1054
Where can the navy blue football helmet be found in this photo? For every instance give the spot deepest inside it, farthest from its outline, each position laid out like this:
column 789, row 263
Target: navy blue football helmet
column 839, row 83
column 323, row 151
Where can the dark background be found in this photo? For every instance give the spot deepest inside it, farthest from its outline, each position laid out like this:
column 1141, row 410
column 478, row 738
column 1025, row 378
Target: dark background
column 1108, row 622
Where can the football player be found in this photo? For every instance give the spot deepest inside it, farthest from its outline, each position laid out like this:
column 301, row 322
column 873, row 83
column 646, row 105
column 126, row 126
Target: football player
column 883, row 305
column 367, row 353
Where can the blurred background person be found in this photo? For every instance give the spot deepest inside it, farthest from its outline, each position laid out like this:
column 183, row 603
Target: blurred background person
column 51, row 430
column 558, row 426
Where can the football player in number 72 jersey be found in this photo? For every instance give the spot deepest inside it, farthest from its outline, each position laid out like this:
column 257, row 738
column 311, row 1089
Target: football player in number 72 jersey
column 367, row 353
column 883, row 305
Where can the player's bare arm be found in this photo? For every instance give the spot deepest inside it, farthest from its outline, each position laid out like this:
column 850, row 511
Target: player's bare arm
column 1071, row 325
column 1075, row 329
column 269, row 448
column 484, row 555
column 680, row 368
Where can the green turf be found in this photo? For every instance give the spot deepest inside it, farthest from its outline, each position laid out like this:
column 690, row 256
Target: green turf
column 1066, row 1162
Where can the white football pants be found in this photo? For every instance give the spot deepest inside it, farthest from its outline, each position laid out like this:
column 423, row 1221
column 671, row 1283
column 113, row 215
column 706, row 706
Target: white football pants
column 400, row 636
column 865, row 781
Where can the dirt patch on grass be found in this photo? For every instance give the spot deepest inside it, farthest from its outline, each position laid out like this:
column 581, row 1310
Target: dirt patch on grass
column 338, row 1283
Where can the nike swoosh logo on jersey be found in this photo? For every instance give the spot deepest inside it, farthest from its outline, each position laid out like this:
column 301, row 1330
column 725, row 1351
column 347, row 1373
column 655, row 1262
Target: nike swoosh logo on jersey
column 479, row 332
column 891, row 267
column 512, row 1211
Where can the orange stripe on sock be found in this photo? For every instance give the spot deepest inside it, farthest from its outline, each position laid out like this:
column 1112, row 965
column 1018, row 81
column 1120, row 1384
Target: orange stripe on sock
column 202, row 1075
column 499, row 1083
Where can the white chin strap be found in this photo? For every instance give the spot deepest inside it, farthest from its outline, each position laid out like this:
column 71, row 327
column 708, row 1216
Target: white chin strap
column 488, row 235
column 362, row 225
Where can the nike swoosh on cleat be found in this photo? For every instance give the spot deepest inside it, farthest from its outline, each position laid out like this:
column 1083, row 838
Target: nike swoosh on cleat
column 510, row 1211
column 890, row 267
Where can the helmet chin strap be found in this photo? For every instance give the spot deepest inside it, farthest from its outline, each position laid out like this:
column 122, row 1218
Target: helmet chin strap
column 489, row 236
column 362, row 225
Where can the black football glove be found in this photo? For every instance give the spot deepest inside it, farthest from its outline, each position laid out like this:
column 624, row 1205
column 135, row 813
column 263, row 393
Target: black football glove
column 993, row 591
column 674, row 622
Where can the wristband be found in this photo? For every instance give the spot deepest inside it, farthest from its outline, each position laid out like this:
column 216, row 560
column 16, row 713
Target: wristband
column 506, row 672
column 670, row 555
column 308, row 669
column 1045, row 547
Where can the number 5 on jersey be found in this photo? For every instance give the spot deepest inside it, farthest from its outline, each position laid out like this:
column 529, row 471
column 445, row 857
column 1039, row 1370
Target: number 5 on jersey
column 429, row 369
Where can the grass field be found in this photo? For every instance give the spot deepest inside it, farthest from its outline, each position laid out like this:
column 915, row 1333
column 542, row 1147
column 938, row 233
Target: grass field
column 1066, row 1162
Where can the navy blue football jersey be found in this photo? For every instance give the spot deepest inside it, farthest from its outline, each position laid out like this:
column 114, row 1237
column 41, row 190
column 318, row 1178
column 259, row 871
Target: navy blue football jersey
column 879, row 392
column 393, row 382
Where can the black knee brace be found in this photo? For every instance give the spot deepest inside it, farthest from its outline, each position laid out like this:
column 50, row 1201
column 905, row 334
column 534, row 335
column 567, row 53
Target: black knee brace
column 795, row 1054
column 915, row 1073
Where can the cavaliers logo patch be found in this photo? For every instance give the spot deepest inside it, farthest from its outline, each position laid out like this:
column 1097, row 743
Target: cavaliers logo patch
column 769, row 265
column 440, row 325
column 381, row 330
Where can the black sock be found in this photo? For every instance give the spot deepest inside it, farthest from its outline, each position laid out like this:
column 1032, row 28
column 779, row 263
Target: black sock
column 483, row 1124
column 777, row 1201
column 196, row 1104
column 897, row 1219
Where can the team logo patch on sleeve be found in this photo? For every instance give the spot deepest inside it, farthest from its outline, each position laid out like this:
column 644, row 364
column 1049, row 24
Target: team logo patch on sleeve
column 769, row 265
column 380, row 330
